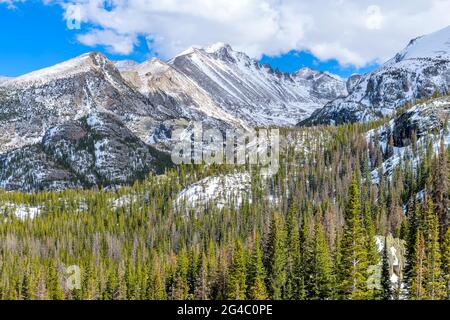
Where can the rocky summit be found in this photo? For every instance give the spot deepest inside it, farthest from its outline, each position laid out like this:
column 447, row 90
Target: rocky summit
column 417, row 72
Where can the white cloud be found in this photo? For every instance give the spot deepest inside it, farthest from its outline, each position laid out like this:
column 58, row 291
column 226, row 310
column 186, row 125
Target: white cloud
column 10, row 3
column 114, row 42
column 352, row 31
column 374, row 20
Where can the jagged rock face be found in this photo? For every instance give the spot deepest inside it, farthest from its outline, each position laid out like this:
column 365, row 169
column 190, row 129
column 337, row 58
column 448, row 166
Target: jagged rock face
column 30, row 168
column 352, row 82
column 92, row 151
column 429, row 123
column 256, row 93
column 422, row 119
column 417, row 72
column 187, row 99
column 219, row 83
column 31, row 104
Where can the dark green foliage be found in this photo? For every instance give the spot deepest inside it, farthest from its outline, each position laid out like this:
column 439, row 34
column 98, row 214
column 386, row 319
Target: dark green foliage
column 313, row 238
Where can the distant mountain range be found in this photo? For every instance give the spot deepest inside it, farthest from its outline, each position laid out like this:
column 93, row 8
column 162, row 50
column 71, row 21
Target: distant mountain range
column 49, row 139
column 417, row 72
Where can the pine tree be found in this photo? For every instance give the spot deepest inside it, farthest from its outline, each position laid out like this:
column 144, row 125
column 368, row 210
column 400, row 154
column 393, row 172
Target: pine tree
column 416, row 286
column 369, row 227
column 256, row 274
column 159, row 290
column 446, row 263
column 433, row 276
column 236, row 287
column 386, row 285
column 441, row 187
column 275, row 258
column 202, row 284
column 54, row 286
column 354, row 263
column 180, row 286
column 293, row 266
column 319, row 265
column 411, row 241
column 25, row 289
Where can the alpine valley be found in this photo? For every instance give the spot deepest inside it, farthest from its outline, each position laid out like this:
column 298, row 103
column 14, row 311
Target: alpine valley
column 358, row 208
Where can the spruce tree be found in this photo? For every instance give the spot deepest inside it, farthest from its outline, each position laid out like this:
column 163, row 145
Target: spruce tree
column 25, row 289
column 386, row 285
column 411, row 241
column 417, row 280
column 433, row 275
column 202, row 285
column 354, row 261
column 319, row 265
column 293, row 266
column 369, row 227
column 236, row 286
column 180, row 286
column 275, row 258
column 256, row 274
column 446, row 263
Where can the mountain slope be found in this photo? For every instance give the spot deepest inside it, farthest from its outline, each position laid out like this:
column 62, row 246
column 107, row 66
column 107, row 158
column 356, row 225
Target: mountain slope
column 227, row 85
column 4, row 79
column 92, row 151
column 32, row 103
column 417, row 72
column 427, row 122
column 47, row 144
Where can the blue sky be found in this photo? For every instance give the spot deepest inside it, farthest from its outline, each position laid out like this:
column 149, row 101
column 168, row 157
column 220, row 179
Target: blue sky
column 34, row 35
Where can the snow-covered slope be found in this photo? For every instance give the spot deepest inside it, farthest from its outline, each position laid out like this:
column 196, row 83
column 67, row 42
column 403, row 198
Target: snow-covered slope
column 41, row 112
column 4, row 79
column 426, row 120
column 418, row 71
column 190, row 101
column 221, row 191
column 124, row 65
column 435, row 45
column 92, row 151
column 31, row 104
column 221, row 83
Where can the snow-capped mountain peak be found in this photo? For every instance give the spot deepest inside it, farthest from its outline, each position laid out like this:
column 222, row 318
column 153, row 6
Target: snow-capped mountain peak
column 81, row 64
column 255, row 93
column 418, row 71
column 216, row 85
column 4, row 79
column 152, row 67
column 435, row 45
column 124, row 65
column 217, row 50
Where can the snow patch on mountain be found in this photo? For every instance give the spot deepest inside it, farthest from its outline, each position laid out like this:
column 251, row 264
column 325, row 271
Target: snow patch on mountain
column 426, row 120
column 69, row 68
column 20, row 211
column 220, row 190
column 417, row 72
column 435, row 45
column 4, row 79
column 220, row 83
